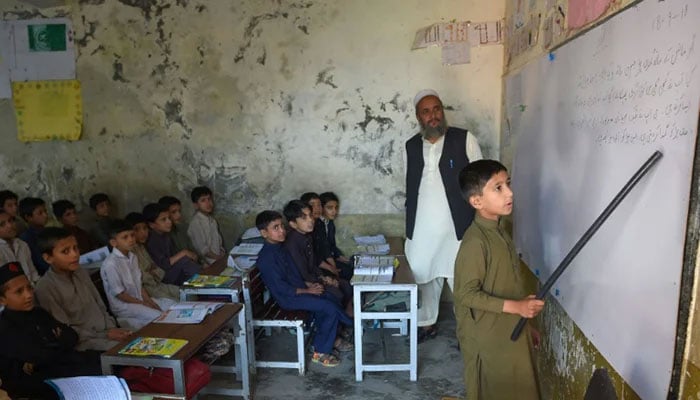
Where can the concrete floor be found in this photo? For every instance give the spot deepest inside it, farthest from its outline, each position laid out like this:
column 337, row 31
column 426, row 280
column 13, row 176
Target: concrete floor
column 440, row 369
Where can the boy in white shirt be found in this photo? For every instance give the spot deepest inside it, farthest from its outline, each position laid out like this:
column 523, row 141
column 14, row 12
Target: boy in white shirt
column 203, row 229
column 13, row 248
column 121, row 277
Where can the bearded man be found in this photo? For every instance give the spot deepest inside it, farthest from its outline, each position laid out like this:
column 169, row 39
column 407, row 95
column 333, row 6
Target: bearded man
column 436, row 214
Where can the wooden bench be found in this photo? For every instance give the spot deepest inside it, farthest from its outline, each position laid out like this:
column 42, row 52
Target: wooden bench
column 268, row 314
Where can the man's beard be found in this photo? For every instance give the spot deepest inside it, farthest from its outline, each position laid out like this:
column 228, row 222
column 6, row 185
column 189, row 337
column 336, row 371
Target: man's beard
column 430, row 133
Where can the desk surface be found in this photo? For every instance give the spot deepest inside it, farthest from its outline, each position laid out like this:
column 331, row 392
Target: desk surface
column 403, row 274
column 195, row 334
column 217, row 267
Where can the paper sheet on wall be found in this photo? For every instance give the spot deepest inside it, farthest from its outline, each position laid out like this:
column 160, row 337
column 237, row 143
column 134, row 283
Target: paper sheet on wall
column 48, row 110
column 438, row 34
column 581, row 12
column 456, row 53
column 43, row 49
column 485, row 33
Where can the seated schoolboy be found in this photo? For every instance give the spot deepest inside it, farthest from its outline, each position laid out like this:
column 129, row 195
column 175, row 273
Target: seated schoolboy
column 14, row 249
column 67, row 292
column 151, row 274
column 178, row 233
column 489, row 292
column 178, row 266
column 313, row 200
column 290, row 291
column 203, row 229
column 300, row 247
column 324, row 236
column 9, row 203
column 100, row 203
column 67, row 216
column 34, row 345
column 33, row 211
column 121, row 277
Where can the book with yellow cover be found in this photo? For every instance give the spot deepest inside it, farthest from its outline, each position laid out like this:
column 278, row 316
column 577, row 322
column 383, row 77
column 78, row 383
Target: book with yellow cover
column 150, row 346
column 209, row 281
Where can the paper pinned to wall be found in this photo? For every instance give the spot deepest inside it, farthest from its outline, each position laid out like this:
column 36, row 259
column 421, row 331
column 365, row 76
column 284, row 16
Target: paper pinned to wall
column 438, row 34
column 581, row 12
column 485, row 33
column 456, row 53
column 43, row 49
column 48, row 110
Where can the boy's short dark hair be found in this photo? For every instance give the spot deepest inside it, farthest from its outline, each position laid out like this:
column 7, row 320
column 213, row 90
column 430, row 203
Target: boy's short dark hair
column 96, row 199
column 328, row 196
column 27, row 206
column 295, row 209
column 152, row 211
column 7, row 195
column 308, row 196
column 60, row 207
column 169, row 201
column 135, row 218
column 47, row 238
column 265, row 218
column 199, row 192
column 118, row 226
column 474, row 176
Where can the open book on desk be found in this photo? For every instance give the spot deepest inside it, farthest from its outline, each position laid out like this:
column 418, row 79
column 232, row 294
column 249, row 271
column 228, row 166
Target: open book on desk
column 91, row 388
column 382, row 274
column 188, row 312
column 153, row 347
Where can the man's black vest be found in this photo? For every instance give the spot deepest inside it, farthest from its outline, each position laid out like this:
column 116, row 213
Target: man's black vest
column 452, row 161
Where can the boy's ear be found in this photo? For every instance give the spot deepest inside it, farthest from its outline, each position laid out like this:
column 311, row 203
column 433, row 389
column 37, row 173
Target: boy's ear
column 113, row 242
column 263, row 233
column 475, row 201
column 293, row 224
column 47, row 257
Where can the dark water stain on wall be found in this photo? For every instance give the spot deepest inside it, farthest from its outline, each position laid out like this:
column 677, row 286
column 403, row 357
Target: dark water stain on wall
column 384, row 124
column 89, row 32
column 67, row 174
column 394, row 103
column 262, row 57
column 34, row 13
column 173, row 115
column 326, row 78
column 382, row 163
column 251, row 32
column 118, row 69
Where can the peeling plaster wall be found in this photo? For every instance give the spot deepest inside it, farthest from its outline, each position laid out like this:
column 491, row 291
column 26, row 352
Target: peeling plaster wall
column 260, row 100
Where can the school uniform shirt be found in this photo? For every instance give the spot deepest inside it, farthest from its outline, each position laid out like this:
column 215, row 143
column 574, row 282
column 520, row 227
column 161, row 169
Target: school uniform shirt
column 121, row 274
column 152, row 276
column 487, row 272
column 160, row 248
column 17, row 250
column 37, row 338
column 30, row 237
column 74, row 300
column 205, row 236
column 300, row 248
column 181, row 240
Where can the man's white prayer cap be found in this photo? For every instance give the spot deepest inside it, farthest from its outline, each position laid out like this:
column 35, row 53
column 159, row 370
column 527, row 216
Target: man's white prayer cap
column 424, row 93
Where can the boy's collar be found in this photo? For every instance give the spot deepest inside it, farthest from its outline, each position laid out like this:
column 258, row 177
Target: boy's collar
column 120, row 253
column 490, row 223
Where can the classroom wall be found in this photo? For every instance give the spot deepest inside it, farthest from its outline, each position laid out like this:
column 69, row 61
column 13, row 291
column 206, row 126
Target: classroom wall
column 260, row 100
column 567, row 358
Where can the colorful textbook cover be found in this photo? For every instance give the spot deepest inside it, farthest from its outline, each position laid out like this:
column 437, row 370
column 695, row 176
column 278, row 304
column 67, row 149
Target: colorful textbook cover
column 209, row 281
column 150, row 346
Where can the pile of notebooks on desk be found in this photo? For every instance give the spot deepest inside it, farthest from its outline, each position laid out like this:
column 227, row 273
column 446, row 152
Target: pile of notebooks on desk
column 374, row 269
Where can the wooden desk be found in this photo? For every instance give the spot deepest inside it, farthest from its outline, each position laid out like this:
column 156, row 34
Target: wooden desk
column 196, row 335
column 403, row 280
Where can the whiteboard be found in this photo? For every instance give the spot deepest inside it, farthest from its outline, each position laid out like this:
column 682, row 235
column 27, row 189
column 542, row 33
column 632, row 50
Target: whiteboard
column 585, row 119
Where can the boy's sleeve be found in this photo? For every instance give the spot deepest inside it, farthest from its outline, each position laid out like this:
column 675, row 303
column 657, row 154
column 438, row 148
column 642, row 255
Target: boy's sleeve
column 25, row 256
column 470, row 272
column 297, row 254
column 49, row 301
column 111, row 280
column 198, row 235
column 158, row 255
column 273, row 276
column 87, row 281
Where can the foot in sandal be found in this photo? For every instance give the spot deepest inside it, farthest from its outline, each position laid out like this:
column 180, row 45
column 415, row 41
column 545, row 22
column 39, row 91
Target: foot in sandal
column 325, row 359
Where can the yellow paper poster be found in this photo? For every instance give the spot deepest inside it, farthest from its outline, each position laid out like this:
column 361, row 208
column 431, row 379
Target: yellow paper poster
column 48, row 110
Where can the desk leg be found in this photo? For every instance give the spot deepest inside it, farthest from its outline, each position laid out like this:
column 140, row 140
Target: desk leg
column 357, row 309
column 179, row 378
column 241, row 352
column 106, row 366
column 414, row 333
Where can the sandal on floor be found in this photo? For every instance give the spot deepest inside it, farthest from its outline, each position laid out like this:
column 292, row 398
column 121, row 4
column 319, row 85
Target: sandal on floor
column 344, row 346
column 327, row 360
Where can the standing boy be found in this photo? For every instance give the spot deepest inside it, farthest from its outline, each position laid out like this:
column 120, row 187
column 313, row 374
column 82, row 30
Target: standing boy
column 203, row 229
column 121, row 277
column 489, row 293
column 8, row 202
column 291, row 292
column 67, row 292
column 33, row 211
column 15, row 249
column 67, row 215
column 100, row 203
column 151, row 274
column 35, row 346
column 178, row 266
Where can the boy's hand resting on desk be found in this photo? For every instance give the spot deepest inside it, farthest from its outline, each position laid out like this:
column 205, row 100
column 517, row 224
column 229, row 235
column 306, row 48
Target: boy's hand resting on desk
column 118, row 334
column 528, row 307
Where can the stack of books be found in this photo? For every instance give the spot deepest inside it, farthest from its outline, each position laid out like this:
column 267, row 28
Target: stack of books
column 188, row 312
